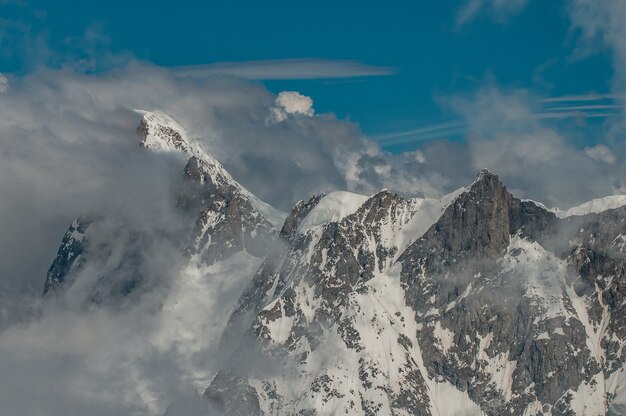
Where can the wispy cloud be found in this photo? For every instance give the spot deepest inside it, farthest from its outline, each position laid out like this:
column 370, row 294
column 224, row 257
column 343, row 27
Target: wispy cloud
column 587, row 107
column 559, row 115
column 583, row 105
column 306, row 68
column 500, row 10
column 580, row 107
column 585, row 98
column 427, row 132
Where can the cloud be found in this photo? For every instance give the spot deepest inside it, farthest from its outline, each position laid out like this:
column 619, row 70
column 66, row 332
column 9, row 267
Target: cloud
column 69, row 148
column 601, row 152
column 306, row 68
column 584, row 98
column 428, row 132
column 536, row 157
column 587, row 106
column 291, row 102
column 534, row 147
column 600, row 25
column 4, row 83
column 499, row 10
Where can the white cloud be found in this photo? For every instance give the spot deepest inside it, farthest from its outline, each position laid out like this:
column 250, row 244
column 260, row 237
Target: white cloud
column 291, row 102
column 601, row 153
column 600, row 24
column 69, row 148
column 4, row 83
column 534, row 155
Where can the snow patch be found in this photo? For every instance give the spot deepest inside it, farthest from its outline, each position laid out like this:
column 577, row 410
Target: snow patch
column 450, row 401
column 544, row 275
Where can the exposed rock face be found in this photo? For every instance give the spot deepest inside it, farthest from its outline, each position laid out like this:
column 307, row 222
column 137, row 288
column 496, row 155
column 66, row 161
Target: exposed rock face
column 71, row 248
column 598, row 257
column 227, row 222
column 297, row 215
column 484, row 294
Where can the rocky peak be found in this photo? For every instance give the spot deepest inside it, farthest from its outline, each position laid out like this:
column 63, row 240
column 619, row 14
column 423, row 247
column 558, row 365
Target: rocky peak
column 476, row 222
column 486, row 184
column 379, row 205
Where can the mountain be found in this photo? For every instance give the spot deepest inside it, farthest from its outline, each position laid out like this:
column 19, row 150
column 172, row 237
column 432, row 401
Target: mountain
column 474, row 303
column 478, row 303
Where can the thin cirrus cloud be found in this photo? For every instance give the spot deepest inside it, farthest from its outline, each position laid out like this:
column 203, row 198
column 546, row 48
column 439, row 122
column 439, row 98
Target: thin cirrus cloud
column 590, row 106
column 419, row 134
column 585, row 98
column 305, row 68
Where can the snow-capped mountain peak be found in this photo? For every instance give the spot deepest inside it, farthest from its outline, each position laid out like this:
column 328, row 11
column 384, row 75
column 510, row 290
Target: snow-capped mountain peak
column 159, row 132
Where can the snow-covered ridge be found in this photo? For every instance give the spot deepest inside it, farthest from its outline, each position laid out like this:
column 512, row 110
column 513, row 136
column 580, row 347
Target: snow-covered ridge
column 337, row 205
column 332, row 208
column 162, row 134
column 594, row 206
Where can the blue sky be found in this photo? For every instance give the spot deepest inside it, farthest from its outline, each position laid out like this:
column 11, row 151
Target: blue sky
column 422, row 49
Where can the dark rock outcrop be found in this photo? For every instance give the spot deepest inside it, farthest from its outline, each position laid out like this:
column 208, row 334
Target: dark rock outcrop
column 70, row 250
column 297, row 215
